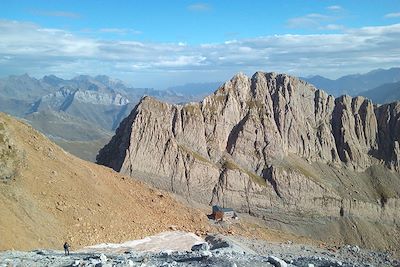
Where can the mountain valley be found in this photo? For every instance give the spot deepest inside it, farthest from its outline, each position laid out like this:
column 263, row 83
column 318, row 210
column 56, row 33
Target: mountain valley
column 79, row 114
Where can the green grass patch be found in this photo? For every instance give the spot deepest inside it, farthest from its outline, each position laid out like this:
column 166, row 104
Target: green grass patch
column 299, row 165
column 255, row 104
column 230, row 165
column 254, row 177
column 216, row 101
column 192, row 109
column 220, row 98
column 194, row 154
column 304, row 171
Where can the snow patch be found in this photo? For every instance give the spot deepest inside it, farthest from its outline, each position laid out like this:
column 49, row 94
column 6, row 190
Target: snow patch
column 166, row 241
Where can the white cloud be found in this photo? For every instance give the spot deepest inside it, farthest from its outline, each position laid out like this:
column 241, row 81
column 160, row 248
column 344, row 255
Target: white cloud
column 180, row 61
column 317, row 21
column 392, row 15
column 312, row 20
column 332, row 27
column 199, row 7
column 334, row 8
column 27, row 47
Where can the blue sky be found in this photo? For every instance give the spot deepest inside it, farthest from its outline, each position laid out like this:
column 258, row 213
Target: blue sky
column 164, row 43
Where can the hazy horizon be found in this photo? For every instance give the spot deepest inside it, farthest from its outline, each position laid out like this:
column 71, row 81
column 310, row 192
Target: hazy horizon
column 38, row 77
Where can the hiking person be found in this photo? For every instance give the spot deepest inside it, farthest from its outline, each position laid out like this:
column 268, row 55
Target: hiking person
column 66, row 248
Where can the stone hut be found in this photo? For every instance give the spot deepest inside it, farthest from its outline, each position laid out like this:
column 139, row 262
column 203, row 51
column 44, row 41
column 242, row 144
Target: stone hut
column 220, row 213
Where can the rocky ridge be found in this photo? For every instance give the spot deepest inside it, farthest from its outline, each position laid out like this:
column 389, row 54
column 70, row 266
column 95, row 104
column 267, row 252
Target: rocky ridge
column 265, row 144
column 11, row 158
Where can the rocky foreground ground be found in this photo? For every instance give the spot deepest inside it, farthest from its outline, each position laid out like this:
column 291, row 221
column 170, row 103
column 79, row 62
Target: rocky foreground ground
column 213, row 250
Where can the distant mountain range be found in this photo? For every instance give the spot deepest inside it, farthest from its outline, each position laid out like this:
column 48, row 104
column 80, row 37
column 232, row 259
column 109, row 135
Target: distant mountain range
column 383, row 94
column 355, row 84
column 195, row 91
column 81, row 111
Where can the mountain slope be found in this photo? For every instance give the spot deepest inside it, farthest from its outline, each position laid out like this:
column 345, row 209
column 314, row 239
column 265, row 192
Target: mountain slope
column 101, row 108
column 267, row 145
column 23, row 87
column 48, row 196
column 79, row 137
column 386, row 93
column 356, row 83
column 17, row 93
column 61, row 125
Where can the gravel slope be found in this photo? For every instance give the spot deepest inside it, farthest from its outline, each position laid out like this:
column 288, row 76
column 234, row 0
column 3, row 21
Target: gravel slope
column 219, row 251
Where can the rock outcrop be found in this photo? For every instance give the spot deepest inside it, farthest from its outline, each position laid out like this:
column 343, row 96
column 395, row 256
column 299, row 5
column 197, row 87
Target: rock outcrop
column 12, row 159
column 267, row 143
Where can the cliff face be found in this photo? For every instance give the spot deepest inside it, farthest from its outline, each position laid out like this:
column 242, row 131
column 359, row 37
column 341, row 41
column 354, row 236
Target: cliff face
column 267, row 143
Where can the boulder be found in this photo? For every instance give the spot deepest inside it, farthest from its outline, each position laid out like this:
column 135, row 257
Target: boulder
column 201, row 247
column 276, row 261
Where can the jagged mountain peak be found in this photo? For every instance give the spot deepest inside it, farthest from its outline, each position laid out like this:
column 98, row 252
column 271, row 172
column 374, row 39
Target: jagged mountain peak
column 106, row 80
column 82, row 77
column 239, row 76
column 22, row 76
column 99, row 83
column 22, row 87
column 251, row 127
column 252, row 91
column 267, row 144
column 52, row 80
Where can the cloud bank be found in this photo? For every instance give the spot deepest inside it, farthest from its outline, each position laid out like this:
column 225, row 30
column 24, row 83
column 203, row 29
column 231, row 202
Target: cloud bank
column 28, row 47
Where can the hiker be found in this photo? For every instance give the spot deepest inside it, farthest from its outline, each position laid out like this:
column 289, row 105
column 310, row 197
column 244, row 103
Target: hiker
column 66, row 248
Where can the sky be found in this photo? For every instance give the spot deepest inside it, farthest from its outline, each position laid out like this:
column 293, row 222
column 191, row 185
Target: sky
column 164, row 43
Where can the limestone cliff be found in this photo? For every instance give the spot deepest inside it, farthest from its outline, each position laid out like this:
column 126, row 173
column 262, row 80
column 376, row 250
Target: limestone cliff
column 267, row 143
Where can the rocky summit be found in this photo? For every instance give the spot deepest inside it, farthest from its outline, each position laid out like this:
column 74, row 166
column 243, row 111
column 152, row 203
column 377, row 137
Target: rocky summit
column 276, row 147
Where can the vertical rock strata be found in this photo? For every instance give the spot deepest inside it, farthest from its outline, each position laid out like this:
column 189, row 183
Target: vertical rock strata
column 265, row 143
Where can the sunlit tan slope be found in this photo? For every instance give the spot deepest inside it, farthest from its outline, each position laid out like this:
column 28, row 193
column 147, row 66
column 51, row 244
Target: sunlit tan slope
column 48, row 196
